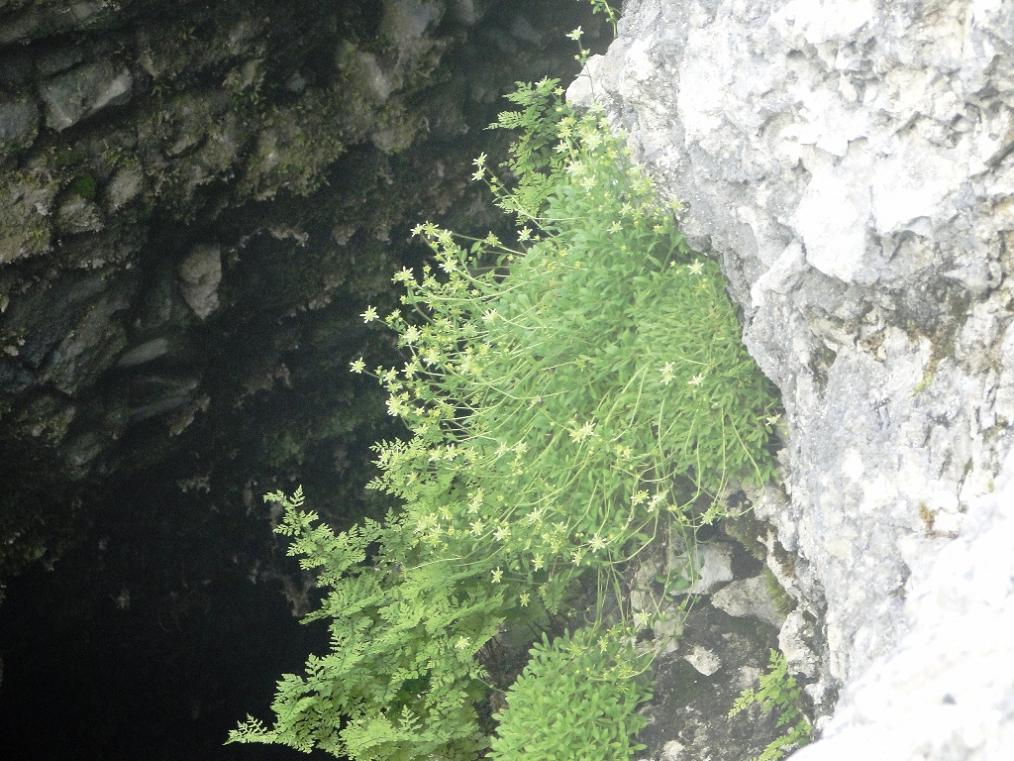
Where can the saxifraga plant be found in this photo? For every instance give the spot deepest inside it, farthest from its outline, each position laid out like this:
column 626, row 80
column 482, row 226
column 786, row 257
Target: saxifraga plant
column 570, row 395
column 575, row 701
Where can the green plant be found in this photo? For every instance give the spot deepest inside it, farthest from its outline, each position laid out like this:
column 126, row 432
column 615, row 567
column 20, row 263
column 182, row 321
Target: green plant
column 779, row 692
column 575, row 701
column 84, row 185
column 569, row 395
column 401, row 678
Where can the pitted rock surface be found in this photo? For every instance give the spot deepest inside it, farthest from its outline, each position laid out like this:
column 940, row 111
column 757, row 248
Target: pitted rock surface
column 850, row 162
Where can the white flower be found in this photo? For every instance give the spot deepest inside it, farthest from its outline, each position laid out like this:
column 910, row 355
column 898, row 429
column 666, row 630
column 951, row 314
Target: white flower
column 476, row 502
column 411, row 335
column 582, row 433
column 666, row 371
column 370, row 314
column 697, row 380
column 358, row 366
column 696, row 268
column 497, row 575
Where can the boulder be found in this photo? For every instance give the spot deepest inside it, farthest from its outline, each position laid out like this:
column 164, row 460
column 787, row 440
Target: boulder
column 83, row 92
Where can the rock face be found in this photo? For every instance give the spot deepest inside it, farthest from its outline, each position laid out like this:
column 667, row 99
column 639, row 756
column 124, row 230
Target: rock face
column 850, row 162
column 197, row 199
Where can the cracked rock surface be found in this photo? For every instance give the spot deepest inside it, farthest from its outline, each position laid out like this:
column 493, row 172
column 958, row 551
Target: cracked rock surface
column 850, row 162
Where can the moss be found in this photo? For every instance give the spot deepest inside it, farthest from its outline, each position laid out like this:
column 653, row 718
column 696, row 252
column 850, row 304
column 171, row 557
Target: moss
column 746, row 530
column 297, row 145
column 783, row 603
column 25, row 199
column 85, row 186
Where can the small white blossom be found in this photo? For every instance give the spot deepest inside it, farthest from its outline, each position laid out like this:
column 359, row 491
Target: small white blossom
column 666, row 370
column 411, row 335
column 582, row 433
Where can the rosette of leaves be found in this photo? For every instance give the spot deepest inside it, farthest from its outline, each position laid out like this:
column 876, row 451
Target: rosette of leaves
column 576, row 700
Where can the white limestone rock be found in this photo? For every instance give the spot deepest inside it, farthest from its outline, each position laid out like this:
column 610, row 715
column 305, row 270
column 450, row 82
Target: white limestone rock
column 851, row 162
column 748, row 598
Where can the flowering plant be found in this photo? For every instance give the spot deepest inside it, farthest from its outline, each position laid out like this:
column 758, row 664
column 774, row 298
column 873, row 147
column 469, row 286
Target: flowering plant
column 570, row 394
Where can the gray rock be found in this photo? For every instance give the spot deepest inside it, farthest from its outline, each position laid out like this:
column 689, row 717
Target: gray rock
column 714, row 566
column 850, row 164
column 124, row 186
column 200, row 273
column 794, row 640
column 78, row 215
column 748, row 598
column 19, row 124
column 673, row 751
column 154, row 395
column 405, row 21
column 145, row 352
column 83, row 92
column 58, row 59
column 88, row 348
column 704, row 660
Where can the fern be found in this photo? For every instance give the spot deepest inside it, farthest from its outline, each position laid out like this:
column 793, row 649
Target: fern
column 778, row 692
